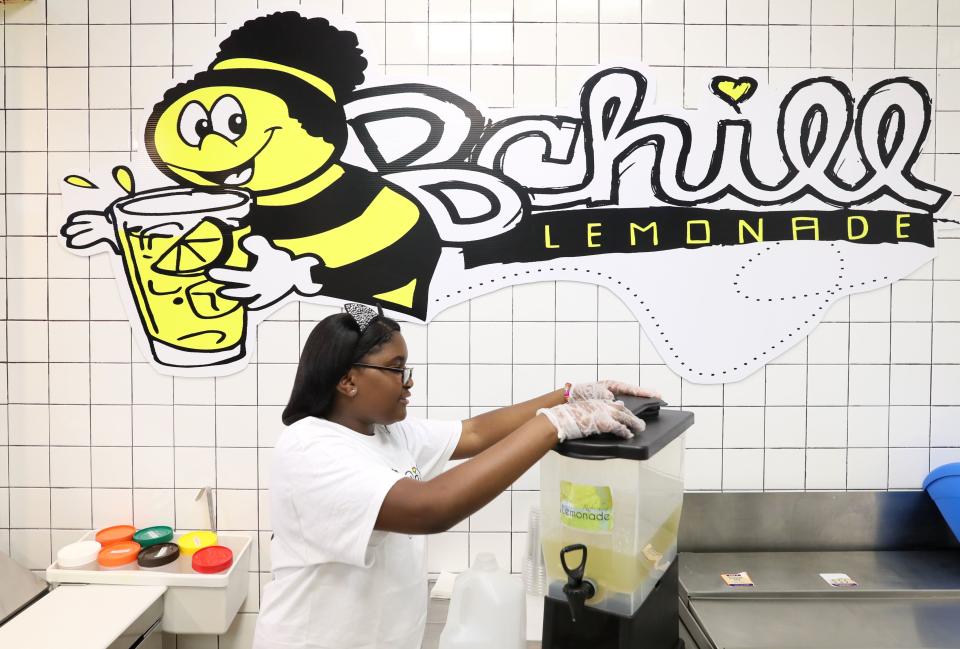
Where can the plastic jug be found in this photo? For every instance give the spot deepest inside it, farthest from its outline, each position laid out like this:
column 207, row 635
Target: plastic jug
column 488, row 609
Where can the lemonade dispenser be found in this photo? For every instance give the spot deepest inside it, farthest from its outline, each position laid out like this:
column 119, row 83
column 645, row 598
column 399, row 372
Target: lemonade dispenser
column 610, row 514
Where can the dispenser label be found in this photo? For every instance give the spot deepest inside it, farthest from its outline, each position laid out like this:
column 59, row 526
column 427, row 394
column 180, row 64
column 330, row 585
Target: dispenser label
column 586, row 507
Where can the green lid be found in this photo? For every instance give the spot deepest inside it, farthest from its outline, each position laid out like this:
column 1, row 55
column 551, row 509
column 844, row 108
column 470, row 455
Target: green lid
column 153, row 535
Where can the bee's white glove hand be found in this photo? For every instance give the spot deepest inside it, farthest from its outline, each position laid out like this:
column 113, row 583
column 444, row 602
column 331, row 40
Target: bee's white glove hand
column 89, row 229
column 275, row 274
column 608, row 390
column 578, row 419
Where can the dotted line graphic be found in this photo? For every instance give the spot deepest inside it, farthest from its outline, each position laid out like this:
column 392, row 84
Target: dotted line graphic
column 658, row 329
column 760, row 253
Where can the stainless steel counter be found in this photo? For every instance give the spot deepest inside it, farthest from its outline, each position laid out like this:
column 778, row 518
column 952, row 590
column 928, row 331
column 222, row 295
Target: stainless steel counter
column 890, row 573
column 835, row 623
column 895, row 546
column 902, row 599
column 18, row 587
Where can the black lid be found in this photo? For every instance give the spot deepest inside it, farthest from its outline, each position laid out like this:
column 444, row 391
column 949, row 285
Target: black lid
column 662, row 428
column 158, row 555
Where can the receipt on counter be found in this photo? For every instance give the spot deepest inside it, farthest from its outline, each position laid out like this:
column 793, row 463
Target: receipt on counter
column 838, row 579
column 736, row 579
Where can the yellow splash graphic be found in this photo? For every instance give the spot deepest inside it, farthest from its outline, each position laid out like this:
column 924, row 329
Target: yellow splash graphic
column 124, row 178
column 79, row 181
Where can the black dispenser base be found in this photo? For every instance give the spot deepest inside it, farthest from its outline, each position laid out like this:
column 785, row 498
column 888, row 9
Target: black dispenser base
column 655, row 625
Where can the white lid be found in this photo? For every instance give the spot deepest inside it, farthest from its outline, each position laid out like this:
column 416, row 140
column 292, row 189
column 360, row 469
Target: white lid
column 78, row 554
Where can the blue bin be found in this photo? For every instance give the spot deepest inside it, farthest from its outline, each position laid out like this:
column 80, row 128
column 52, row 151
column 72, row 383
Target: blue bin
column 943, row 485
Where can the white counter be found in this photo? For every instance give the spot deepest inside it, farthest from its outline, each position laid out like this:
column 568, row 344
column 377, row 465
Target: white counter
column 88, row 616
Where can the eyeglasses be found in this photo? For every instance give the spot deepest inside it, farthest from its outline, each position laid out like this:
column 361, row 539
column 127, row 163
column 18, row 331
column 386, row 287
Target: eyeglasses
column 406, row 373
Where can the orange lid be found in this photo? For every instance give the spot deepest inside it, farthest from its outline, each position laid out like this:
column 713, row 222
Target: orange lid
column 116, row 534
column 119, row 554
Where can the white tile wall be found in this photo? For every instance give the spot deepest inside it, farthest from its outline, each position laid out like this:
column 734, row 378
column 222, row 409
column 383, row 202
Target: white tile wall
column 90, row 435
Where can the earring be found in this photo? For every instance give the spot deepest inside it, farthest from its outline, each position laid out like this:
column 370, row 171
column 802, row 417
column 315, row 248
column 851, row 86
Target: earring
column 353, row 391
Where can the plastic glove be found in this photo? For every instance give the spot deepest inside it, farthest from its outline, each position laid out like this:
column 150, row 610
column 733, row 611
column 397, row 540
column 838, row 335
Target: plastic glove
column 608, row 390
column 579, row 419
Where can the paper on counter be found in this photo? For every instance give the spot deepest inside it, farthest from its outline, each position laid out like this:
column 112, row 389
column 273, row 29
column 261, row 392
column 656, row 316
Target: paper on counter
column 838, row 579
column 443, row 588
column 736, row 579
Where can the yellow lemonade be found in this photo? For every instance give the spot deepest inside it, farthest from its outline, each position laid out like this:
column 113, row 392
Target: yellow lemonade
column 612, row 572
column 182, row 310
column 187, row 323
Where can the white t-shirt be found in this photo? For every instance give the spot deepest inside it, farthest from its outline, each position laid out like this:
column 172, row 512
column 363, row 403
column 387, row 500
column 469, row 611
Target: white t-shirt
column 337, row 582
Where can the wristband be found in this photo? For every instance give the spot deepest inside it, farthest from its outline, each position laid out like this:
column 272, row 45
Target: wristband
column 566, row 391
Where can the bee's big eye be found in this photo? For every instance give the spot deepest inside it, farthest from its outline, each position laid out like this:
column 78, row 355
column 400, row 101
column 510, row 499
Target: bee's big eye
column 194, row 124
column 228, row 118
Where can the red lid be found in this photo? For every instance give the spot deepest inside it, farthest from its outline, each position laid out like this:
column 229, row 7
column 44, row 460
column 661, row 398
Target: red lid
column 211, row 559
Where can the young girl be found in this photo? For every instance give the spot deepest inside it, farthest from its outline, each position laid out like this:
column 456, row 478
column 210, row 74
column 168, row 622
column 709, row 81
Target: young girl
column 356, row 483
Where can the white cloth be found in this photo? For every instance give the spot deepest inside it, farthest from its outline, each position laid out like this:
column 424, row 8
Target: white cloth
column 337, row 582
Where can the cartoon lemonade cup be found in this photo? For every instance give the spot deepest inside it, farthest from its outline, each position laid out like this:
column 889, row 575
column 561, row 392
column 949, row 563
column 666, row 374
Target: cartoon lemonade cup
column 168, row 240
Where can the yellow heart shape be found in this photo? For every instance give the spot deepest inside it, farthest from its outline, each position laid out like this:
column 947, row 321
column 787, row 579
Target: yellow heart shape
column 733, row 90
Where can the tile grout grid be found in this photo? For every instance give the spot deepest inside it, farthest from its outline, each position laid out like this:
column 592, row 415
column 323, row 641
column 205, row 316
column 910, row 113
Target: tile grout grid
column 719, row 456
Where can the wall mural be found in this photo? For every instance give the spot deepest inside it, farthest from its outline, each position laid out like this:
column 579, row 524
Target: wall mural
column 275, row 173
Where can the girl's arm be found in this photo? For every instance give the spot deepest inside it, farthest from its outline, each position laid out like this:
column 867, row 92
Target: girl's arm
column 413, row 507
column 483, row 431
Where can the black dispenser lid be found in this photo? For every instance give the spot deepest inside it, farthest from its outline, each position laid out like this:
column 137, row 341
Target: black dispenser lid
column 663, row 426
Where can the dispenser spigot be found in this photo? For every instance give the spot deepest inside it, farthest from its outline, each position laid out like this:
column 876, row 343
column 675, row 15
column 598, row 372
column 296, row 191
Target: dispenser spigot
column 577, row 589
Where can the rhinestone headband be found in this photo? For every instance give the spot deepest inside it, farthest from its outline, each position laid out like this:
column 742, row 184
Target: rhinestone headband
column 362, row 314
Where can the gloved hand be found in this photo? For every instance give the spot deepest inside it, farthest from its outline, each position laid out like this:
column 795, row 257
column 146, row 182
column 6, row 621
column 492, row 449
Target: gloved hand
column 607, row 390
column 578, row 419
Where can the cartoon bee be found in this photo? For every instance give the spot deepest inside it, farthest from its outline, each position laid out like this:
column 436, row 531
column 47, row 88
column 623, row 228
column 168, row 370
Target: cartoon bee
column 267, row 117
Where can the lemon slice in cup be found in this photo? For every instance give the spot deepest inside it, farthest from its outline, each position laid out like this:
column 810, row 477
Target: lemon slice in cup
column 195, row 251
